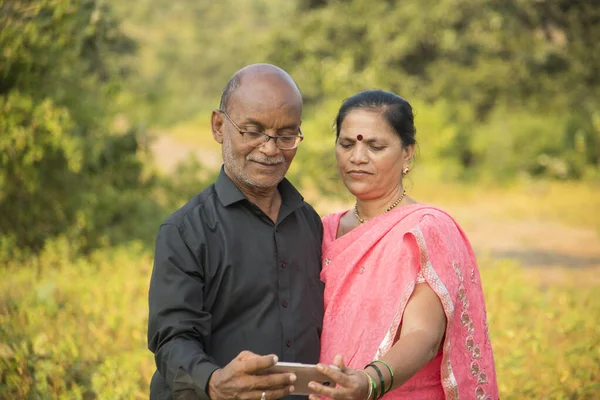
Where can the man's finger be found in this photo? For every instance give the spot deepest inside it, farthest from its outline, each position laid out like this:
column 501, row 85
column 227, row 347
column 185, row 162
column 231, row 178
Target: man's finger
column 246, row 355
column 257, row 364
column 272, row 381
column 269, row 394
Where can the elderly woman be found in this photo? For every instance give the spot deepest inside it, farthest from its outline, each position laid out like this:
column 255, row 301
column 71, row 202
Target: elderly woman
column 403, row 299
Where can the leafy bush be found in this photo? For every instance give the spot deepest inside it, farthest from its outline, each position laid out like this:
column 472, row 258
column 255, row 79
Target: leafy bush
column 189, row 178
column 545, row 336
column 64, row 168
column 77, row 329
column 516, row 77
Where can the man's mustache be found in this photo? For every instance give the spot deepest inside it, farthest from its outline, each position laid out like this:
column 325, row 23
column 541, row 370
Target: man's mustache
column 267, row 160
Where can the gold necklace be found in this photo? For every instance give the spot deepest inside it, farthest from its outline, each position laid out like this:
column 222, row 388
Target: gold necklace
column 362, row 221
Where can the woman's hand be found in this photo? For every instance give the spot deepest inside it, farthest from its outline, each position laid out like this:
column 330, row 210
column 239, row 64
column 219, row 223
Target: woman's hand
column 352, row 384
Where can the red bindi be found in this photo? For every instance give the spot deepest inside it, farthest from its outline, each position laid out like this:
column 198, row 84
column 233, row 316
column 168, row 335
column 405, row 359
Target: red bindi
column 359, row 138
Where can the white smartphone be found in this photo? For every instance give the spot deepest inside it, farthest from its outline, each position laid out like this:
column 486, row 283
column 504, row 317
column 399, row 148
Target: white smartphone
column 305, row 373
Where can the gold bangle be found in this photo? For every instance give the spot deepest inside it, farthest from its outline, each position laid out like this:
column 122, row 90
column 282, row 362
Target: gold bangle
column 370, row 379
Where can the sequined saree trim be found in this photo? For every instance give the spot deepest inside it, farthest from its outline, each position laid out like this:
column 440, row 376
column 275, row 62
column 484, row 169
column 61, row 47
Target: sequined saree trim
column 388, row 340
column 448, row 379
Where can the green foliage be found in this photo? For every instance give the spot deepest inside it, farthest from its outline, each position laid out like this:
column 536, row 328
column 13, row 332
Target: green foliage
column 514, row 65
column 64, row 169
column 502, row 90
column 76, row 329
column 189, row 49
column 545, row 344
column 191, row 178
column 516, row 73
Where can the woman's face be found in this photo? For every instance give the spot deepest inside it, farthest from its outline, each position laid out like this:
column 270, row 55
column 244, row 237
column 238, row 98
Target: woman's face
column 370, row 155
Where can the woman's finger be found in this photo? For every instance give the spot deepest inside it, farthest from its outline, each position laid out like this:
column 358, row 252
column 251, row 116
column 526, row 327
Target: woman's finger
column 338, row 361
column 335, row 373
column 327, row 391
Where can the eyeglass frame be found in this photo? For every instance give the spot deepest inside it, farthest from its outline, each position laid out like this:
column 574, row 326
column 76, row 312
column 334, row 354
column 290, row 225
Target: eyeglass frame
column 300, row 135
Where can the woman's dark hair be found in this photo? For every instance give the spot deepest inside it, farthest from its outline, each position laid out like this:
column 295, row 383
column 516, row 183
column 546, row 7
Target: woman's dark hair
column 397, row 112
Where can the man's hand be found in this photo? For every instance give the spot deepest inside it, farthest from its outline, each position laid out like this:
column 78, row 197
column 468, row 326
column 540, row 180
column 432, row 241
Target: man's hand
column 241, row 379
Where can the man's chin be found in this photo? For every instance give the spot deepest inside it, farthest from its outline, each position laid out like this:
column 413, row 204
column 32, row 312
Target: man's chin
column 269, row 177
column 266, row 182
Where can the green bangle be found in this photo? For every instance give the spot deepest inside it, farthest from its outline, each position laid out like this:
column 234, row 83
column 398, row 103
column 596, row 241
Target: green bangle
column 381, row 380
column 391, row 373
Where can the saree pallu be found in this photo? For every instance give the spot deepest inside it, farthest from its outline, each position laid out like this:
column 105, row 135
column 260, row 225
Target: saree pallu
column 370, row 274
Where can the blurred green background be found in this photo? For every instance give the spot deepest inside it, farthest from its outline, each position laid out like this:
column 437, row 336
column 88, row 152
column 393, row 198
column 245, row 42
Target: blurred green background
column 104, row 131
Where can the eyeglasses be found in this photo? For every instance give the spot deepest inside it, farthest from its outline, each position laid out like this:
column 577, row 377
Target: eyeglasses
column 257, row 139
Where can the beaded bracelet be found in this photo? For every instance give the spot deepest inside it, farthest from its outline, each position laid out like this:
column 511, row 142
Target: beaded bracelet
column 371, row 384
column 391, row 373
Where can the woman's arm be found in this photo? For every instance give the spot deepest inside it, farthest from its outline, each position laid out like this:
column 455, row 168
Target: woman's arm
column 421, row 333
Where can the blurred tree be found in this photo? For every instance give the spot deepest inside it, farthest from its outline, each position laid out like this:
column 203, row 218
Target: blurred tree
column 493, row 71
column 309, row 4
column 189, row 49
column 63, row 169
column 537, row 57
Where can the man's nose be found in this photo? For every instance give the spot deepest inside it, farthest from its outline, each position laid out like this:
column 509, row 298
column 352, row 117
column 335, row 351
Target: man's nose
column 269, row 148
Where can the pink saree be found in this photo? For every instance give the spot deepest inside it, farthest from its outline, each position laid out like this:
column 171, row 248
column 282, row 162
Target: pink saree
column 371, row 272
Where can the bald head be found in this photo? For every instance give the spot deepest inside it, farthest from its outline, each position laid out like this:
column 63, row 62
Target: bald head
column 259, row 100
column 257, row 73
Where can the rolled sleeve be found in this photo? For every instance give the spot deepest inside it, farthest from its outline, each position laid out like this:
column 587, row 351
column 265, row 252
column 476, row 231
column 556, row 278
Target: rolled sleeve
column 178, row 322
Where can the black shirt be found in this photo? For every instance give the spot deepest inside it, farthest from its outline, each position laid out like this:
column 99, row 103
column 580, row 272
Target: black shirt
column 226, row 279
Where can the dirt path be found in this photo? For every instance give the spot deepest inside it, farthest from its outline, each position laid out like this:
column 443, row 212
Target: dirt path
column 533, row 242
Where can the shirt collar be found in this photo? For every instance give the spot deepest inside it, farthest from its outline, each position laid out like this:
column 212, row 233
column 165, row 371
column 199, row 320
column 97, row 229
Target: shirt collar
column 229, row 193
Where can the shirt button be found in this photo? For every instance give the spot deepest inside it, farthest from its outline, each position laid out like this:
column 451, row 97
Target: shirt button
column 288, row 343
column 283, row 264
column 284, row 304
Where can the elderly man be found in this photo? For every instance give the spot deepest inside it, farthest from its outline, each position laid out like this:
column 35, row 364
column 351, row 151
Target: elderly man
column 235, row 285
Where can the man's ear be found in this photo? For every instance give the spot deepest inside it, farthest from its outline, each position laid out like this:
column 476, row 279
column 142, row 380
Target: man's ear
column 216, row 124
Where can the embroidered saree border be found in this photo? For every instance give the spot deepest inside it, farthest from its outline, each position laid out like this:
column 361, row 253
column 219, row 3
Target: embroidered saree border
column 448, row 379
column 388, row 340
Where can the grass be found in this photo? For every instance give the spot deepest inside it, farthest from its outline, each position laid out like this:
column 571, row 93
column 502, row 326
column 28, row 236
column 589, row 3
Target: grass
column 76, row 329
column 573, row 204
column 545, row 336
column 570, row 203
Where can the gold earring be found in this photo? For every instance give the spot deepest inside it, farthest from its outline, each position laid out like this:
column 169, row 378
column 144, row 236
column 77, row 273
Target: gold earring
column 405, row 171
